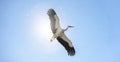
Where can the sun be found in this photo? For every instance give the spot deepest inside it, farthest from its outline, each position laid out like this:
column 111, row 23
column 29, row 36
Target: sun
column 42, row 28
column 42, row 31
column 45, row 29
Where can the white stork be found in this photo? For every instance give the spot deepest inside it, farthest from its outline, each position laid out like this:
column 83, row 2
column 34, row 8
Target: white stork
column 58, row 32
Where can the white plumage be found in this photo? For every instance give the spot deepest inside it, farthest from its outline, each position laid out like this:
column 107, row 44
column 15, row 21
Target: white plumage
column 58, row 32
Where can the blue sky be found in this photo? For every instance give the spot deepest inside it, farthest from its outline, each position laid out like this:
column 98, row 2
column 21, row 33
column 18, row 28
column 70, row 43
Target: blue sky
column 25, row 32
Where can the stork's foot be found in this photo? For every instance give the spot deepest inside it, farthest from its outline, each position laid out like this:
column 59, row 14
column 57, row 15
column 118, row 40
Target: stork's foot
column 53, row 37
column 51, row 40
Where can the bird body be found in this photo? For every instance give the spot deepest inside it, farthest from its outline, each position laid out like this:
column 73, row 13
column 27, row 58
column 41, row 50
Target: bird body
column 58, row 32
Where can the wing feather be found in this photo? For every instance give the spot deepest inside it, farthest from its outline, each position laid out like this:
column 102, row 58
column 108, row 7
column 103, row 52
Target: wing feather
column 54, row 20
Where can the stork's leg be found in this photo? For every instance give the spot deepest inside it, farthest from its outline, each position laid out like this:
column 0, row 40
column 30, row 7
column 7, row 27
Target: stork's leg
column 53, row 37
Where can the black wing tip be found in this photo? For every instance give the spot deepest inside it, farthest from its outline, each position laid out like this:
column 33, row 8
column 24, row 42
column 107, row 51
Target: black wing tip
column 51, row 12
column 71, row 51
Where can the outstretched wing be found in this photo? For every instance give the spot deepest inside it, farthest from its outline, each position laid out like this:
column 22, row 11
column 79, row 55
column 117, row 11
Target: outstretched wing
column 54, row 20
column 67, row 44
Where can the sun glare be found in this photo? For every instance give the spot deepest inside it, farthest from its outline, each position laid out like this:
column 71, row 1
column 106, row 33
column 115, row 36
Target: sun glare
column 42, row 28
column 45, row 29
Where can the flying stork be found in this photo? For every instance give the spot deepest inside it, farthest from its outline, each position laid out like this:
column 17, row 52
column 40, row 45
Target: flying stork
column 58, row 32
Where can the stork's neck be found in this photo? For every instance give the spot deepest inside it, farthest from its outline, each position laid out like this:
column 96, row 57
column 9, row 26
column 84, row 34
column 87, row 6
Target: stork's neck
column 66, row 28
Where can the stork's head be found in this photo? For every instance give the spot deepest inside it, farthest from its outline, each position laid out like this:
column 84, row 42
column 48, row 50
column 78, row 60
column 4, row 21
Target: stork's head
column 51, row 12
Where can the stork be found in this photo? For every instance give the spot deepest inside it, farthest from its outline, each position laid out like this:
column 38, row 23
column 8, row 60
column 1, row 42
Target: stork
column 58, row 32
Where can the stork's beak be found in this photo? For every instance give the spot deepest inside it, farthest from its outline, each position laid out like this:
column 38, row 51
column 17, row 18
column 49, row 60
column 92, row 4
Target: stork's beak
column 71, row 26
